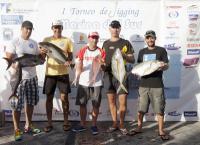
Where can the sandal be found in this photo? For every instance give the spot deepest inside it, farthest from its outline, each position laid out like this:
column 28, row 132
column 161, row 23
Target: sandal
column 123, row 131
column 66, row 127
column 111, row 129
column 48, row 128
column 134, row 132
column 164, row 137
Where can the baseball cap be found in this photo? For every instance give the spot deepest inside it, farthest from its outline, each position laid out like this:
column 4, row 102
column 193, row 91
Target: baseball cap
column 27, row 24
column 57, row 23
column 150, row 33
column 93, row 34
column 115, row 24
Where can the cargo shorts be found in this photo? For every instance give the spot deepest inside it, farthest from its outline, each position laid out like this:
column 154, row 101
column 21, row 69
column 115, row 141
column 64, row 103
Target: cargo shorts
column 155, row 96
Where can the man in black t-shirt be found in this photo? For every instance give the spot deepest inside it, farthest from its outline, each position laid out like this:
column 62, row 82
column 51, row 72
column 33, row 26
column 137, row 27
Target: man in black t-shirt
column 151, row 89
column 111, row 84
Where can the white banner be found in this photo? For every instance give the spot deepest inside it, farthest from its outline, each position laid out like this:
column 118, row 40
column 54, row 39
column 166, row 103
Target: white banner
column 176, row 24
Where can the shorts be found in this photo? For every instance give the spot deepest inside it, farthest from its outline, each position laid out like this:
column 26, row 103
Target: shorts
column 155, row 96
column 85, row 93
column 62, row 82
column 111, row 84
column 28, row 91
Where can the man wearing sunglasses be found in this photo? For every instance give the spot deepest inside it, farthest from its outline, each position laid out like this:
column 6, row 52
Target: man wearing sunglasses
column 57, row 75
column 90, row 82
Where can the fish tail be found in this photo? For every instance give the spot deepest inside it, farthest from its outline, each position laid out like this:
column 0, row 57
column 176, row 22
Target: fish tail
column 121, row 87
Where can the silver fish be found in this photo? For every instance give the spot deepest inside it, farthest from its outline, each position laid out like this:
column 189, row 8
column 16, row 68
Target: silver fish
column 54, row 52
column 78, row 70
column 118, row 69
column 146, row 68
column 15, row 69
column 96, row 65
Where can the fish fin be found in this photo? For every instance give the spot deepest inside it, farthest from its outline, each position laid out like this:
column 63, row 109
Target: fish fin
column 9, row 62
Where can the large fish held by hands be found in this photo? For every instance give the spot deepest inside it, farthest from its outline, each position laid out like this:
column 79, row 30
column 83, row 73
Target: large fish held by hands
column 78, row 70
column 54, row 52
column 146, row 68
column 96, row 66
column 15, row 69
column 118, row 69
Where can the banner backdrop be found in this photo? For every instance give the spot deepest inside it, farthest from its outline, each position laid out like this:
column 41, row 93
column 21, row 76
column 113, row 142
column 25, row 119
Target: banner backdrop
column 176, row 23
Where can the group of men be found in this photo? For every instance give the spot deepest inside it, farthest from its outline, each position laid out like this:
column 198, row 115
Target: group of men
column 151, row 86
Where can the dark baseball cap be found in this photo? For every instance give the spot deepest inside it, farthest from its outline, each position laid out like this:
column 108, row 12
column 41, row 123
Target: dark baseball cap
column 115, row 24
column 27, row 24
column 150, row 33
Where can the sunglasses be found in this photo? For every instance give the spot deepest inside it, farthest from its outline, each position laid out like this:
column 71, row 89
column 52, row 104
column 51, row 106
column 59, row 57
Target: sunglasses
column 94, row 37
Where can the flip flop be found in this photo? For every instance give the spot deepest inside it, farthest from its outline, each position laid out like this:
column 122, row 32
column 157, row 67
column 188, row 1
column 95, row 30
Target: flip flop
column 124, row 131
column 164, row 137
column 134, row 132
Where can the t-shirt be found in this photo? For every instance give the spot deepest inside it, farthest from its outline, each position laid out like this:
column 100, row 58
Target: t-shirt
column 87, row 55
column 110, row 47
column 153, row 80
column 53, row 67
column 19, row 46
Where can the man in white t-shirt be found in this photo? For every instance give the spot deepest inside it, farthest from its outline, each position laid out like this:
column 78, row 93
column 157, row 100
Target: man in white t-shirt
column 90, row 81
column 28, row 88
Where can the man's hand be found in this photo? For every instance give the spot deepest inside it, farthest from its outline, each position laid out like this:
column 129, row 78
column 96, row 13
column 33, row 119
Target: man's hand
column 67, row 63
column 163, row 66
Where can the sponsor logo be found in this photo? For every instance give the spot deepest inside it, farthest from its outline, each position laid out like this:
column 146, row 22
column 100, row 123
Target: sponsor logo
column 193, row 51
column 192, row 25
column 11, row 19
column 173, row 14
column 193, row 39
column 73, row 113
column 190, row 113
column 193, row 45
column 172, row 35
column 7, row 34
column 81, row 39
column 193, row 17
column 191, row 62
column 174, row 7
column 5, row 7
column 8, row 113
column 174, row 113
column 172, row 25
column 171, row 46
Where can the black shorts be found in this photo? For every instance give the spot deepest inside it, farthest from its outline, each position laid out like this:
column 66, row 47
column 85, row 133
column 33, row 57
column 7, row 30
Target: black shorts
column 62, row 82
column 85, row 93
column 111, row 84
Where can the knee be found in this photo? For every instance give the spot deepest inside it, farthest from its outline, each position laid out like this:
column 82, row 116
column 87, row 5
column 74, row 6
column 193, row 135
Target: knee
column 64, row 98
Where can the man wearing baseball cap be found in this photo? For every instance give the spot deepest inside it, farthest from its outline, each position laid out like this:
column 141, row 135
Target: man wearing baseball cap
column 57, row 75
column 90, row 86
column 151, row 88
column 111, row 84
column 27, row 90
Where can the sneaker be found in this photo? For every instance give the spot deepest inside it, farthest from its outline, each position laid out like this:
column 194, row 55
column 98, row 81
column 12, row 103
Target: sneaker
column 94, row 130
column 18, row 135
column 32, row 130
column 79, row 129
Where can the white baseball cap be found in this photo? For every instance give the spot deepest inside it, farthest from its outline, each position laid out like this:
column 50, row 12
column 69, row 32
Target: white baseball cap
column 57, row 23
